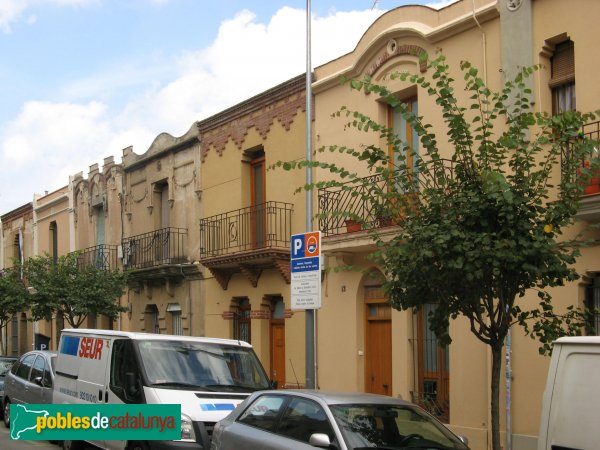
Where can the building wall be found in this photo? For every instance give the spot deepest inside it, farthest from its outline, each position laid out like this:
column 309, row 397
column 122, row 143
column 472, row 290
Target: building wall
column 273, row 122
column 169, row 287
column 498, row 39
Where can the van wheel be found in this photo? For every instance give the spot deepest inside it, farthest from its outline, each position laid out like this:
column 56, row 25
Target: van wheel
column 137, row 445
column 72, row 445
column 6, row 410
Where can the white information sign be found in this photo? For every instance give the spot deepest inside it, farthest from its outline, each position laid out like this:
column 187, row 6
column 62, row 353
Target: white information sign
column 305, row 270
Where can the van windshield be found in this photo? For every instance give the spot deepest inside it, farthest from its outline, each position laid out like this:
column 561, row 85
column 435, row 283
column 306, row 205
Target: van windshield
column 207, row 366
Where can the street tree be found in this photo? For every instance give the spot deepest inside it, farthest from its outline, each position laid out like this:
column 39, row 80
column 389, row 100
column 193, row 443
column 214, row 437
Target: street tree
column 13, row 299
column 75, row 290
column 478, row 226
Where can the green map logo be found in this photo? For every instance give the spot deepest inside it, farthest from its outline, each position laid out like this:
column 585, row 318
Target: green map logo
column 95, row 422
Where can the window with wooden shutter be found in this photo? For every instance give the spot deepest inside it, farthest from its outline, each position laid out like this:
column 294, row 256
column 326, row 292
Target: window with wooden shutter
column 562, row 81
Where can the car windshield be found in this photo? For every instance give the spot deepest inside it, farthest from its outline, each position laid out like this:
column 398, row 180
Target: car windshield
column 392, row 427
column 212, row 367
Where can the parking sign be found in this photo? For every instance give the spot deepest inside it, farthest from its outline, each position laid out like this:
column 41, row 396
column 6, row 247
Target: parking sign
column 305, row 270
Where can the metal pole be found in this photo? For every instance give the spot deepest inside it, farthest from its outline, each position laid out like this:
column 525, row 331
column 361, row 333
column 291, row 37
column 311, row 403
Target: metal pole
column 311, row 366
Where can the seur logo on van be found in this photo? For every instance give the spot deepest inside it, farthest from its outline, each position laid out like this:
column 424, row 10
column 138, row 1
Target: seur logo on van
column 84, row 347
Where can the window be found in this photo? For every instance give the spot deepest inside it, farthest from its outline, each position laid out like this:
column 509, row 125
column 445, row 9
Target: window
column 174, row 309
column 593, row 302
column 302, row 418
column 25, row 367
column 125, row 379
column 293, row 417
column 562, row 80
column 241, row 321
column 406, row 156
column 433, row 367
column 37, row 370
column 264, row 412
column 54, row 241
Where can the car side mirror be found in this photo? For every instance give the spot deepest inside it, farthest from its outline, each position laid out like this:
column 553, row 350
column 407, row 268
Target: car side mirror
column 319, row 440
column 38, row 381
column 464, row 440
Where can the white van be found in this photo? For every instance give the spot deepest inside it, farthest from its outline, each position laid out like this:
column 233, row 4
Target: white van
column 208, row 377
column 571, row 401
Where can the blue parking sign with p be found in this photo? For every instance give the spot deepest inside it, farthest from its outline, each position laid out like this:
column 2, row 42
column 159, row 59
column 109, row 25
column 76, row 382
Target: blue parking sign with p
column 306, row 245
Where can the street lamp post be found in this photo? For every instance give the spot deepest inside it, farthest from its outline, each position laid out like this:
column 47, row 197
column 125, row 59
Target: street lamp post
column 311, row 366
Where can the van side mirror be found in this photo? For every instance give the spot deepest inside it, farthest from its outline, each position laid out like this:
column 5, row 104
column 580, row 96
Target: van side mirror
column 132, row 388
column 464, row 440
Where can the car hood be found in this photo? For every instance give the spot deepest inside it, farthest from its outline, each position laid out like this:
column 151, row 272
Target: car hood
column 198, row 405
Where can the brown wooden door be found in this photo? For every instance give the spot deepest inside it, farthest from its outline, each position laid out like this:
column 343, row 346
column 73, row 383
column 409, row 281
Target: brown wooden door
column 278, row 352
column 378, row 348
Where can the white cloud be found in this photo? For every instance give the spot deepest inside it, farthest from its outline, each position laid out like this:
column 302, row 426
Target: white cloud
column 12, row 10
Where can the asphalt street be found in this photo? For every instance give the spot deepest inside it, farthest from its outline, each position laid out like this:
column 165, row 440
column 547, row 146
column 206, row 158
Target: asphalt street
column 6, row 443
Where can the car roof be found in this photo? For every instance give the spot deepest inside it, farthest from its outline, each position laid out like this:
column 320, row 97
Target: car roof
column 334, row 398
column 153, row 336
column 48, row 353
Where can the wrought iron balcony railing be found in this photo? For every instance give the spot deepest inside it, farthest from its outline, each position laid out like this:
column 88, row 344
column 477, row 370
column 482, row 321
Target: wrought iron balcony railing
column 101, row 256
column 338, row 204
column 590, row 131
column 156, row 248
column 267, row 225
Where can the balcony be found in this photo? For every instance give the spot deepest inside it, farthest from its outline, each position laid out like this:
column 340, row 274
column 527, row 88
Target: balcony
column 247, row 241
column 337, row 204
column 159, row 254
column 103, row 257
column 589, row 204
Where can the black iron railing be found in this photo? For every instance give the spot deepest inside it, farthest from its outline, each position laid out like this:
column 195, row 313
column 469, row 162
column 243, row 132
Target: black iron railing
column 156, row 248
column 102, row 256
column 338, row 205
column 590, row 131
column 262, row 226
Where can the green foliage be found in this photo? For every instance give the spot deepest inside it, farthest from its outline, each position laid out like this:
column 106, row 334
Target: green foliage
column 13, row 295
column 75, row 291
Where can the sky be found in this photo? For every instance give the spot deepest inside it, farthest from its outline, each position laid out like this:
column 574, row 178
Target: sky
column 80, row 80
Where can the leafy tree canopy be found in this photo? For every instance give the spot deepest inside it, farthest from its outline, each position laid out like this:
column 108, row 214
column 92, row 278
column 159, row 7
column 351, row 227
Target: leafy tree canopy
column 75, row 290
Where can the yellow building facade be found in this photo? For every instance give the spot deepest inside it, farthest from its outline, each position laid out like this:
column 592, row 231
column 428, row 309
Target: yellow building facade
column 378, row 349
column 248, row 214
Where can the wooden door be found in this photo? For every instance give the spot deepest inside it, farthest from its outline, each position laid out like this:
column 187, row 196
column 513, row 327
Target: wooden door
column 277, row 337
column 378, row 348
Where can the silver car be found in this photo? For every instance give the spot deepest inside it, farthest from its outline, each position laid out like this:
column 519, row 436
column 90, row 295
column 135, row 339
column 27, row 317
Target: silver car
column 30, row 380
column 303, row 419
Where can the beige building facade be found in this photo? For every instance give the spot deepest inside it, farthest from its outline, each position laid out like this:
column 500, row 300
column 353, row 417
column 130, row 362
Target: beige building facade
column 159, row 247
column 249, row 212
column 382, row 350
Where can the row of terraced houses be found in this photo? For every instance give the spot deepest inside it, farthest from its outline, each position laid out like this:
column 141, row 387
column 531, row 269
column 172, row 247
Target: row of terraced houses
column 204, row 228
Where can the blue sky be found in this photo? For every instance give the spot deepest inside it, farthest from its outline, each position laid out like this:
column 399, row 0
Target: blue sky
column 82, row 79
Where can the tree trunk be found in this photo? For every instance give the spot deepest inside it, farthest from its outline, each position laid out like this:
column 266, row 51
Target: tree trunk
column 495, row 389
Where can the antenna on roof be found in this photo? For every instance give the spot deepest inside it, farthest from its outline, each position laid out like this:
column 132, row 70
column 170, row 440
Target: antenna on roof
column 374, row 4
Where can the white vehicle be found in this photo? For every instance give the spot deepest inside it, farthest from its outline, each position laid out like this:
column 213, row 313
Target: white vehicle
column 208, row 377
column 569, row 417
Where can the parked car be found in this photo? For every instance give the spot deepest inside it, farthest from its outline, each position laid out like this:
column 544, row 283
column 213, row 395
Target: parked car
column 30, row 380
column 6, row 362
column 302, row 419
